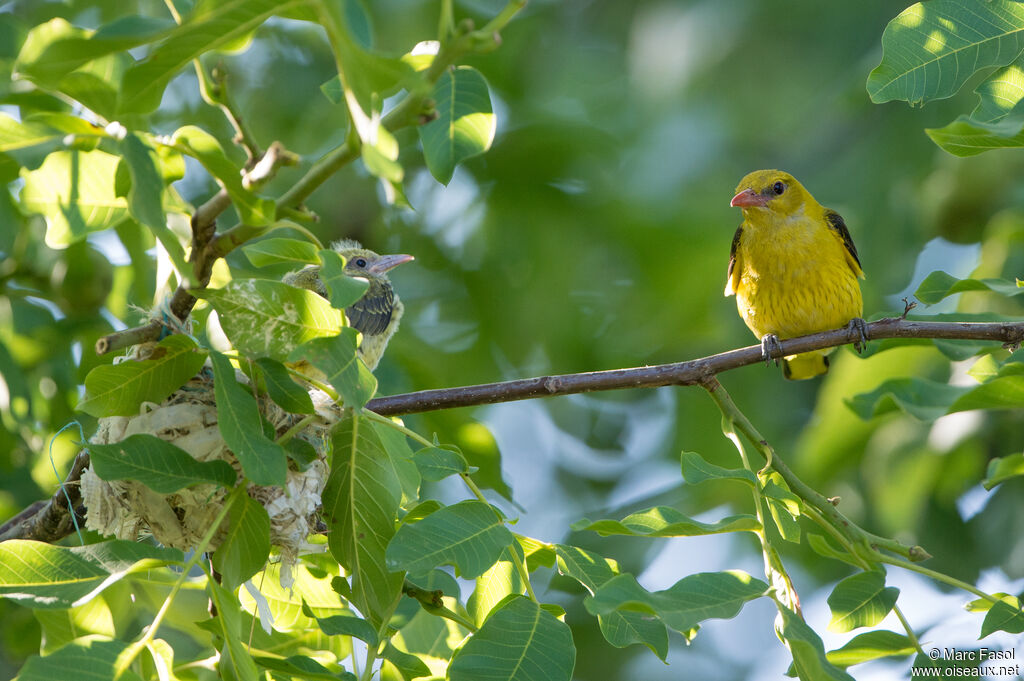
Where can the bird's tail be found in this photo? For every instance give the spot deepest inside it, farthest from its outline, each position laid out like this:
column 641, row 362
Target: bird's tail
column 807, row 365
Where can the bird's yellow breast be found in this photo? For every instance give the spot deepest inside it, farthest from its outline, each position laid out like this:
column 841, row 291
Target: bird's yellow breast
column 794, row 278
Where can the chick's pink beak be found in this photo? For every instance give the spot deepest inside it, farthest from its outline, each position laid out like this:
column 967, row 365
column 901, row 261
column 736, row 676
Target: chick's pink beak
column 387, row 262
column 748, row 198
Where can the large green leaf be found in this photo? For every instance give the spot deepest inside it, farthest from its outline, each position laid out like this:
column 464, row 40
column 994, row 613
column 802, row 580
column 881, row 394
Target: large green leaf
column 665, row 521
column 54, row 49
column 465, row 122
column 1002, row 468
column 235, row 656
column 244, row 550
column 279, row 250
column 119, row 389
column 871, row 645
column 927, row 400
column 619, row 627
column 684, row 605
column 1006, row 615
column 968, row 137
column 932, row 48
column 809, row 659
column 939, row 285
column 285, row 392
column 74, row 191
column 264, row 318
column 468, row 535
column 211, row 25
column 89, row 657
column 264, row 462
column 499, row 581
column 861, row 600
column 15, row 134
column 47, row 576
column 520, row 641
column 361, row 504
column 437, row 463
column 157, row 464
column 145, row 198
column 295, row 605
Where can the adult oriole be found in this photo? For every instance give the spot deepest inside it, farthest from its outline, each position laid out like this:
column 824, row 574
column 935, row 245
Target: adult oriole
column 793, row 268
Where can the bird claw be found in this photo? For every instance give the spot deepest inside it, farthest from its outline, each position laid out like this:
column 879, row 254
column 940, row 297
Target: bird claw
column 860, row 327
column 770, row 349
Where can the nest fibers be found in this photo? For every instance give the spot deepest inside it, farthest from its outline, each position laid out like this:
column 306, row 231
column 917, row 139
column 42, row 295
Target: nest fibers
column 127, row 509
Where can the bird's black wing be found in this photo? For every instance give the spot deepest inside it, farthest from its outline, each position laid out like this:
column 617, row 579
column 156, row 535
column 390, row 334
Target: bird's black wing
column 732, row 251
column 371, row 314
column 835, row 221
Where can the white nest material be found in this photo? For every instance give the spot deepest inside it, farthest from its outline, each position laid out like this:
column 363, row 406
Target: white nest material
column 127, row 509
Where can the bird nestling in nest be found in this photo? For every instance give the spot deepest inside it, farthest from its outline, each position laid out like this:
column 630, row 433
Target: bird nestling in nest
column 376, row 315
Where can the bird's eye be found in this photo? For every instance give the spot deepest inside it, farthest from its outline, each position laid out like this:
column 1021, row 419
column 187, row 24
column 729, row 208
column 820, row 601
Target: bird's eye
column 361, row 262
column 779, row 187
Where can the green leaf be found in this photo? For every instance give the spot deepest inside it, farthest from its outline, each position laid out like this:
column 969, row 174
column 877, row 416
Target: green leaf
column 861, row 600
column 285, row 392
column 665, row 521
column 499, row 581
column 468, row 535
column 289, row 604
column 47, row 576
column 968, row 137
column 684, row 605
column 158, row 464
column 1003, row 392
column 264, row 318
column 408, row 666
column 245, row 548
column 56, row 48
column 301, row 667
column 145, row 199
column 361, row 504
column 74, row 191
column 822, row 547
column 204, row 147
column 210, row 26
column 336, row 357
column 939, row 285
column 1005, row 615
column 922, row 398
column 235, row 656
column 119, row 389
column 1002, row 468
column 518, row 642
column 347, row 625
column 465, row 122
column 619, row 627
column 278, row 250
column 16, row 134
column 696, row 470
column 809, row 659
column 932, row 48
column 400, row 457
column 264, row 462
column 784, row 507
column 342, row 290
column 89, row 657
column 437, row 463
column 871, row 645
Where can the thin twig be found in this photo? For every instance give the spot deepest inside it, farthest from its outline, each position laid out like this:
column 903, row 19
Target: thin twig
column 682, row 373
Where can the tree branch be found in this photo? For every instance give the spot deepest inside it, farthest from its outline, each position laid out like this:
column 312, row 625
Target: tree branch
column 697, row 371
column 683, row 373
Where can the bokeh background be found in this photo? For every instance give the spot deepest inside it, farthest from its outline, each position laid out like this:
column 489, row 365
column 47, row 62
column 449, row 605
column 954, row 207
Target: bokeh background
column 595, row 235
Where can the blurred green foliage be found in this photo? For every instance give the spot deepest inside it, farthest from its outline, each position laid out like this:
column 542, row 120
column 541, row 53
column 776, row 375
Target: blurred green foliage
column 593, row 235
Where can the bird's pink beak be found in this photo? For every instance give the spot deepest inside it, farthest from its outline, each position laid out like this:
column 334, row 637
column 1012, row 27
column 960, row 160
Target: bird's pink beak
column 387, row 262
column 748, row 198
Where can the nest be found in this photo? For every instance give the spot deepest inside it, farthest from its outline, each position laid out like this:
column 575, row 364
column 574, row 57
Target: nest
column 127, row 509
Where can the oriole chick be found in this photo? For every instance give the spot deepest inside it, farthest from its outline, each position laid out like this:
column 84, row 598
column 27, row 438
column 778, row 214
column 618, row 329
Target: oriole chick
column 376, row 315
column 793, row 268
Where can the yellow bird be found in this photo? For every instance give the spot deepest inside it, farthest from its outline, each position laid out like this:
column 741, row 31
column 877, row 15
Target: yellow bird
column 793, row 268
